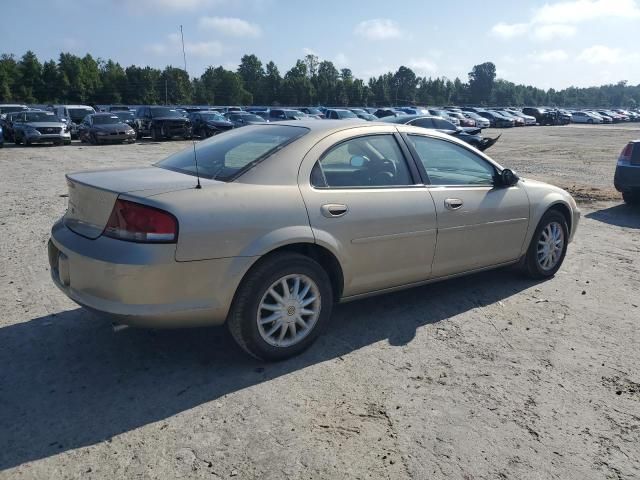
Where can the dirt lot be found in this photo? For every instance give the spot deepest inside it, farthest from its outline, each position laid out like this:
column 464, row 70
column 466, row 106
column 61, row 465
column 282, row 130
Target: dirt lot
column 489, row 376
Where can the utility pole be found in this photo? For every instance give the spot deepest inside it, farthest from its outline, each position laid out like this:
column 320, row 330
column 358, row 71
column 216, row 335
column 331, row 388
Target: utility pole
column 166, row 95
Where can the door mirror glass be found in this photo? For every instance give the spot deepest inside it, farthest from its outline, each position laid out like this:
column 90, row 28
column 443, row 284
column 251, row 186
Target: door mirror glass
column 508, row 177
column 358, row 161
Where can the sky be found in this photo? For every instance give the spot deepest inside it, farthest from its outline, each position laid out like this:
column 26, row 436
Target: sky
column 548, row 44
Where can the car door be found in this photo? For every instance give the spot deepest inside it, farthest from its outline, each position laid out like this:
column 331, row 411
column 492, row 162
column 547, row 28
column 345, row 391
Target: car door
column 366, row 204
column 480, row 223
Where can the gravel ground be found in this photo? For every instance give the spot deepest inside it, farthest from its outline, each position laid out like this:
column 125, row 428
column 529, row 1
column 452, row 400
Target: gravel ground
column 484, row 377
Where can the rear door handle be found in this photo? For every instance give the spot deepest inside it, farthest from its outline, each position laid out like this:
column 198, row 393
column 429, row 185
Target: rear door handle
column 453, row 203
column 333, row 210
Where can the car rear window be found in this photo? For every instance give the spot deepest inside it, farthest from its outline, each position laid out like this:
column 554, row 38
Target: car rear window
column 225, row 157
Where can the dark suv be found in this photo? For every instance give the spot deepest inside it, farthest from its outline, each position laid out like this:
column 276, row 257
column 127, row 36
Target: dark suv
column 161, row 122
column 627, row 176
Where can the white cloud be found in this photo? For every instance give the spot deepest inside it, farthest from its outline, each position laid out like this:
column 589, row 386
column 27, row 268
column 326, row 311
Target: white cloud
column 173, row 46
column 341, row 60
column 422, row 66
column 549, row 32
column 235, row 27
column 378, row 29
column 579, row 11
column 550, row 56
column 166, row 6
column 558, row 20
column 505, row 30
column 600, row 54
column 309, row 51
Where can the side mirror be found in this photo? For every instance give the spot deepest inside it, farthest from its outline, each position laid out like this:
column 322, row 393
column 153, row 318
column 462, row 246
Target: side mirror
column 357, row 161
column 508, row 178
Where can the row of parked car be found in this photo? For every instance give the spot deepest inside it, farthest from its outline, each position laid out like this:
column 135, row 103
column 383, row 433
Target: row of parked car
column 59, row 124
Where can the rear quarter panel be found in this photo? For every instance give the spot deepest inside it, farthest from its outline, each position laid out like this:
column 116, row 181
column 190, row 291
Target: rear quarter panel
column 236, row 220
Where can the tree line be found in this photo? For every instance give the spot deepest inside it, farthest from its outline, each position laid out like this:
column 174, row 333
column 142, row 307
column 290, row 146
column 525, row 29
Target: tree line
column 87, row 80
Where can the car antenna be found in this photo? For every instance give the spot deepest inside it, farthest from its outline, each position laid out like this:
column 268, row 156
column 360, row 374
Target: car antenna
column 195, row 155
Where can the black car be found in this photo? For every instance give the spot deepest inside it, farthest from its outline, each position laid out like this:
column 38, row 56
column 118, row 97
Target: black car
column 127, row 116
column 240, row 119
column 496, row 120
column 206, row 123
column 7, row 125
column 161, row 122
column 627, row 176
column 470, row 135
column 100, row 128
column 388, row 112
column 312, row 111
column 278, row 114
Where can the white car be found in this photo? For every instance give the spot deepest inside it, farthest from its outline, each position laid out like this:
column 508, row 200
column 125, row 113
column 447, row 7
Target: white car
column 481, row 122
column 584, row 117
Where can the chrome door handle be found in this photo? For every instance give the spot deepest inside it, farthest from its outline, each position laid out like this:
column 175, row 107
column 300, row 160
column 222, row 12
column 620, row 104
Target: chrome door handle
column 453, row 203
column 333, row 210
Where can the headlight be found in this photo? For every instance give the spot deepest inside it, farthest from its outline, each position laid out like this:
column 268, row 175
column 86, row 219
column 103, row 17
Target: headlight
column 131, row 132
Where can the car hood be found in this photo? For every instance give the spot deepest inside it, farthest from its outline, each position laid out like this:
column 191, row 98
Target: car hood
column 220, row 123
column 112, row 127
column 43, row 124
column 171, row 119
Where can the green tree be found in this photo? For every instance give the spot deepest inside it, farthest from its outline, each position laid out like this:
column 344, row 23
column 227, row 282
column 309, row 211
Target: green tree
column 271, row 85
column 251, row 73
column 8, row 77
column 481, row 80
column 29, row 77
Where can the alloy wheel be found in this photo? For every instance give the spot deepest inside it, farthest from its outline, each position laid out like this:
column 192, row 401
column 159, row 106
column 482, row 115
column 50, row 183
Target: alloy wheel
column 550, row 246
column 289, row 310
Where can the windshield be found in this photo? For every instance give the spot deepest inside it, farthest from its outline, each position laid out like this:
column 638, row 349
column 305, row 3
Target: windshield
column 224, row 157
column 124, row 115
column 106, row 119
column 78, row 114
column 313, row 111
column 247, row 117
column 346, row 114
column 294, row 114
column 165, row 112
column 211, row 117
column 12, row 109
column 40, row 117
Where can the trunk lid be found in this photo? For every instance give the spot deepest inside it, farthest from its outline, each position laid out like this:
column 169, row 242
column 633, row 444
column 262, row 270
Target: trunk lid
column 92, row 194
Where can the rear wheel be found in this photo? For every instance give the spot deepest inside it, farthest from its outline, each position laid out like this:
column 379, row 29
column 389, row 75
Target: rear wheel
column 631, row 197
column 548, row 246
column 281, row 307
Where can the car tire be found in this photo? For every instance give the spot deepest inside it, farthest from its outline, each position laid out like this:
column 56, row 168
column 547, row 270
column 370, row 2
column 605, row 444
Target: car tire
column 246, row 320
column 552, row 226
column 16, row 139
column 631, row 197
column 138, row 135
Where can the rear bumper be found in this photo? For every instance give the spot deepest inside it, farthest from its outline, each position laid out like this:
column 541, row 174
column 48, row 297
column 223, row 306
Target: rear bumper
column 142, row 284
column 627, row 177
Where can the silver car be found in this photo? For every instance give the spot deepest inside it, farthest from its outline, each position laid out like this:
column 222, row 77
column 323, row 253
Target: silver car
column 265, row 227
column 40, row 127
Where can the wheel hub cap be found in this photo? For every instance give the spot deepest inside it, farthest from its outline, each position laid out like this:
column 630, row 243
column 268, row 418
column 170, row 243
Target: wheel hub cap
column 550, row 246
column 289, row 310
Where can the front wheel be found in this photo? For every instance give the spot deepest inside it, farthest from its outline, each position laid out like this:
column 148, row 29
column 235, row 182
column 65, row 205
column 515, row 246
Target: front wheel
column 548, row 246
column 281, row 307
column 631, row 197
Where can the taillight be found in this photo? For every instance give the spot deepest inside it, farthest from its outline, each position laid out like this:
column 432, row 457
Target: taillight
column 625, row 155
column 135, row 222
